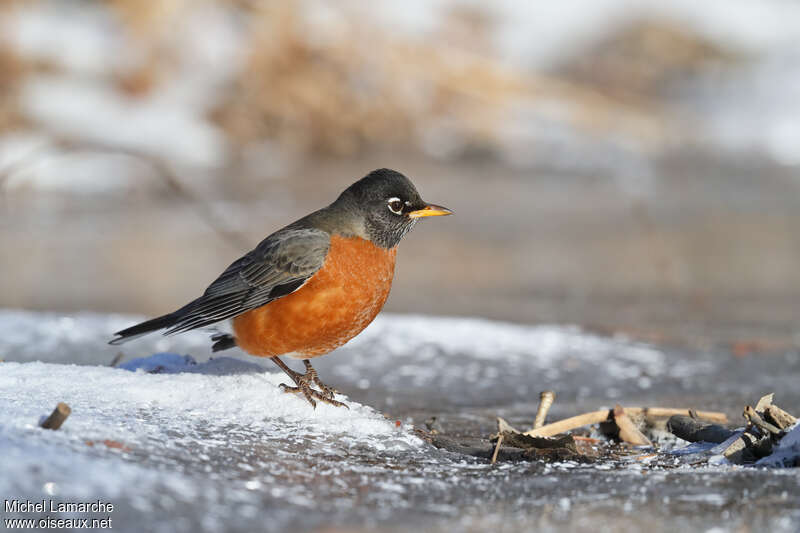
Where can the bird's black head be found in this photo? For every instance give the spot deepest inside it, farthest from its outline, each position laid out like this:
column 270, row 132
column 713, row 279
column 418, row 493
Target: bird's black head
column 389, row 205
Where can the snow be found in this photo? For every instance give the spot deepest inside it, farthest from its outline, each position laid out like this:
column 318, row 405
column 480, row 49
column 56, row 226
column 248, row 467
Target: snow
column 107, row 403
column 787, row 451
column 83, row 103
column 90, row 44
column 178, row 441
column 750, row 109
column 133, row 434
column 438, row 354
column 486, row 339
column 163, row 124
column 563, row 27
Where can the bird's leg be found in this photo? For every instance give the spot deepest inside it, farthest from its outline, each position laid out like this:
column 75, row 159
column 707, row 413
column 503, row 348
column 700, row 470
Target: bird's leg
column 303, row 384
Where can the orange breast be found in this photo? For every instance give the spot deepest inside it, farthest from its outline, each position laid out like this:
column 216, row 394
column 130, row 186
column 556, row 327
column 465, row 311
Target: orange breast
column 334, row 305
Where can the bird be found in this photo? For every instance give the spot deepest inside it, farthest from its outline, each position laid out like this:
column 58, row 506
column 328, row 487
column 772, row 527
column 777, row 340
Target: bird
column 311, row 286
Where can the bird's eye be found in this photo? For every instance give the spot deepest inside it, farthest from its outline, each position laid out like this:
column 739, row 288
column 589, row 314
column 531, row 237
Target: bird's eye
column 395, row 205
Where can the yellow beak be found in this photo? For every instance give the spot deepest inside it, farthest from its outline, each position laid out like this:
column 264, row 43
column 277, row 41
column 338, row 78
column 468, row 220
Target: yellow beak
column 430, row 211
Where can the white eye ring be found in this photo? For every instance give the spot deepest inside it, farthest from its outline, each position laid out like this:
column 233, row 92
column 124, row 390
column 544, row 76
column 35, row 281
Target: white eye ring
column 395, row 205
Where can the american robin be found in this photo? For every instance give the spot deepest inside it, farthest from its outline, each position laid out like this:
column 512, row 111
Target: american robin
column 312, row 286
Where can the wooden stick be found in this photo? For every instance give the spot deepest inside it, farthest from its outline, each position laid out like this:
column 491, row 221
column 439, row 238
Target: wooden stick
column 497, row 448
column 741, row 449
column 779, row 417
column 546, row 399
column 666, row 412
column 57, row 417
column 502, row 427
column 596, row 417
column 754, row 418
column 561, row 426
column 589, row 440
column 628, row 431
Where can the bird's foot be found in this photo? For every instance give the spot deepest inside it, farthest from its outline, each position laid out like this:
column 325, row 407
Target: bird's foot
column 312, row 394
column 304, row 385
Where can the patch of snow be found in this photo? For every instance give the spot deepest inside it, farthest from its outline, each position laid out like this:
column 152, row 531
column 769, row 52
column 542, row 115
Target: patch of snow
column 212, row 44
column 77, row 172
column 487, row 340
column 169, row 442
column 135, row 407
column 562, row 28
column 80, row 338
column 17, row 147
column 94, row 111
column 90, row 43
column 462, row 360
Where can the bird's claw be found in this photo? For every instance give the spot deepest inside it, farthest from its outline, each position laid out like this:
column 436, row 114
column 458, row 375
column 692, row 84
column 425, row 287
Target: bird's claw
column 304, row 386
column 310, row 394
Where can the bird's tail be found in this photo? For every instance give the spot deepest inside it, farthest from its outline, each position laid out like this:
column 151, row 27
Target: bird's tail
column 146, row 327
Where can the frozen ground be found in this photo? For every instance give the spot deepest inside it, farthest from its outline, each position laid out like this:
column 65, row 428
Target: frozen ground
column 214, row 445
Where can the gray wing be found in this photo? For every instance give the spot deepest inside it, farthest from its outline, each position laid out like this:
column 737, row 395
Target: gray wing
column 278, row 266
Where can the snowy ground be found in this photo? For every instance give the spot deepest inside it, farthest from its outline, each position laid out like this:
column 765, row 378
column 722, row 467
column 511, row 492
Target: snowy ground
column 214, row 445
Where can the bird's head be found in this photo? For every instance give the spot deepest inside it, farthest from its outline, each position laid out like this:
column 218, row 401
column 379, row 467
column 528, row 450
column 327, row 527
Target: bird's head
column 389, row 205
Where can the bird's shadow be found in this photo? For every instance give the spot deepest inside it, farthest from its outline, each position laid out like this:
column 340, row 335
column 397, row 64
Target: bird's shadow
column 173, row 363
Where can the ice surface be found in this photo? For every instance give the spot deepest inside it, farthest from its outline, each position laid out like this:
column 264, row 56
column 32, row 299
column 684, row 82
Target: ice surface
column 180, row 442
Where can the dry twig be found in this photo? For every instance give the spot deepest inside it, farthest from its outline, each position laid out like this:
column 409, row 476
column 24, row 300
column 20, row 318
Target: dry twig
column 546, row 399
column 595, row 417
column 502, row 427
column 497, row 448
column 628, row 432
column 754, row 418
column 779, row 417
column 57, row 417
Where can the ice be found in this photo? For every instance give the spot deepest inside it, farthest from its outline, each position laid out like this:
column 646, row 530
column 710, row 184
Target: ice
column 161, row 363
column 694, row 449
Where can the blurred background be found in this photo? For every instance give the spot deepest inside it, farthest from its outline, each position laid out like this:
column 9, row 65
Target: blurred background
column 632, row 167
